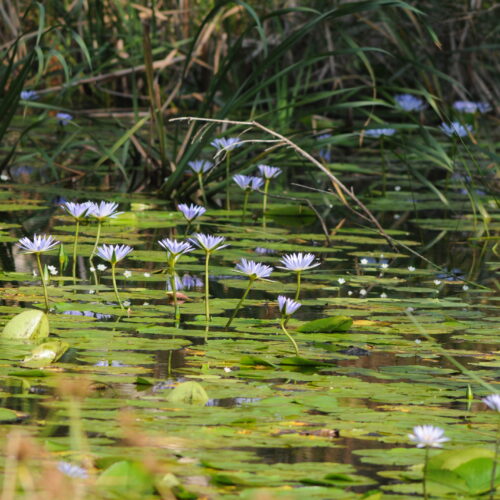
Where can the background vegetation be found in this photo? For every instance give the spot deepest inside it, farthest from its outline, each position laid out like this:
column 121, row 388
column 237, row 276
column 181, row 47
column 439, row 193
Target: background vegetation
column 124, row 69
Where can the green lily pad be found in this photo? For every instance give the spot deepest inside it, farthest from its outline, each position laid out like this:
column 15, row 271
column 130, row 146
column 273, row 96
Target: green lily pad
column 467, row 470
column 28, row 325
column 188, row 393
column 127, row 480
column 46, row 353
column 327, row 325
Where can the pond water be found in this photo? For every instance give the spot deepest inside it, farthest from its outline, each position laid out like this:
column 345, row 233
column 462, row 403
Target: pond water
column 335, row 426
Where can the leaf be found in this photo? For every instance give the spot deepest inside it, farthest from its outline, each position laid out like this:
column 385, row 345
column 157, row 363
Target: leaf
column 127, row 479
column 46, row 353
column 143, row 381
column 255, row 361
column 188, row 393
column 7, row 415
column 28, row 325
column 466, row 469
column 300, row 361
column 327, row 325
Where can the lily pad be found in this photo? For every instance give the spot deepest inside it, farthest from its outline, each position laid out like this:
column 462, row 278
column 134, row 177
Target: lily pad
column 46, row 353
column 127, row 480
column 327, row 325
column 188, row 393
column 28, row 325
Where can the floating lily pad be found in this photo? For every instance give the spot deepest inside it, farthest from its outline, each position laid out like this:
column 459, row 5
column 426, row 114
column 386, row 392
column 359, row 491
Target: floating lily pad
column 190, row 393
column 327, row 325
column 28, row 325
column 46, row 353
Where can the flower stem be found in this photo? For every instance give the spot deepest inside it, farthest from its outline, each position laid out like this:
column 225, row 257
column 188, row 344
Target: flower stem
column 235, row 312
column 174, row 294
column 494, row 468
column 207, row 291
column 75, row 244
column 424, row 479
column 245, row 204
column 228, row 171
column 202, row 189
column 264, row 203
column 113, row 276
column 94, row 250
column 297, row 293
column 282, row 324
column 40, row 270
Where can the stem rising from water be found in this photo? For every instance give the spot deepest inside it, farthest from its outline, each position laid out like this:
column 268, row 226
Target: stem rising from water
column 295, row 346
column 235, row 312
column 40, row 270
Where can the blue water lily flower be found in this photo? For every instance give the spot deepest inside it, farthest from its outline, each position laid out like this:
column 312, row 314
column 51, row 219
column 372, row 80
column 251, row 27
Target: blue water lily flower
column 287, row 306
column 455, row 128
column 409, row 102
column 200, row 166
column 298, row 262
column 228, row 143
column 471, row 106
column 248, row 182
column 72, row 470
column 268, row 172
column 63, row 118
column 39, row 244
column 428, row 436
column 379, row 132
column 191, row 212
column 175, row 248
column 29, row 95
column 254, row 270
column 207, row 242
column 113, row 253
column 492, row 401
column 78, row 211
column 104, row 210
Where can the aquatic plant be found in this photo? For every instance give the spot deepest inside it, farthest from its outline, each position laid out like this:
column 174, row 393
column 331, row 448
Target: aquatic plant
column 38, row 245
column 64, row 118
column 101, row 212
column 248, row 183
column 72, row 470
column 79, row 212
column 227, row 145
column 174, row 251
column 427, row 436
column 493, row 403
column 298, row 262
column 29, row 95
column 455, row 128
column 471, row 106
column 209, row 244
column 200, row 167
column 268, row 173
column 114, row 254
column 287, row 307
column 379, row 132
column 409, row 102
column 190, row 213
column 254, row 271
